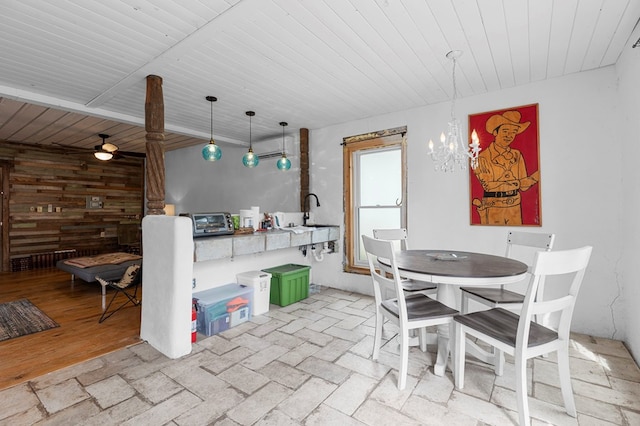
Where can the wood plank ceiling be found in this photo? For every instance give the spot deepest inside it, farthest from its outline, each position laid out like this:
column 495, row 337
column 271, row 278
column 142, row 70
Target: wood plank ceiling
column 72, row 69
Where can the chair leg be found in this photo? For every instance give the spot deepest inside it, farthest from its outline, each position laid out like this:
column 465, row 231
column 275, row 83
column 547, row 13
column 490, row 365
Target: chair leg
column 458, row 355
column 423, row 339
column 498, row 361
column 464, row 303
column 521, row 391
column 131, row 298
column 377, row 338
column 404, row 360
column 565, row 381
column 104, row 315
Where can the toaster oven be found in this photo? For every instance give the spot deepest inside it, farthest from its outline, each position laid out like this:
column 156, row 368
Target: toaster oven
column 211, row 224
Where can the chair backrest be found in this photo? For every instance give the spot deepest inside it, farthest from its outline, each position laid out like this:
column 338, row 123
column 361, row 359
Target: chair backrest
column 571, row 264
column 132, row 276
column 398, row 234
column 522, row 246
column 382, row 283
column 536, row 240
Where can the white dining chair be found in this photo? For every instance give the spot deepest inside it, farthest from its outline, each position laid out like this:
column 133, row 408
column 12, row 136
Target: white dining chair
column 523, row 338
column 408, row 311
column 399, row 236
column 499, row 297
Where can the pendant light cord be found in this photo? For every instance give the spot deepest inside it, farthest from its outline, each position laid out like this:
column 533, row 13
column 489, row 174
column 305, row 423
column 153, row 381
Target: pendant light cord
column 283, row 124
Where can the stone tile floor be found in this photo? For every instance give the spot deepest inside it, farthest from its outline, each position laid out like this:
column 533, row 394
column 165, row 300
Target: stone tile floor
column 310, row 363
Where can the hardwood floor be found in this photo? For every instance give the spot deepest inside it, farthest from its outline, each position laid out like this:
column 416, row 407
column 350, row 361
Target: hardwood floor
column 76, row 307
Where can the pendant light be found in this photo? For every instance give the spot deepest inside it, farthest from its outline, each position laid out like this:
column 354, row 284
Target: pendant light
column 211, row 151
column 283, row 163
column 250, row 159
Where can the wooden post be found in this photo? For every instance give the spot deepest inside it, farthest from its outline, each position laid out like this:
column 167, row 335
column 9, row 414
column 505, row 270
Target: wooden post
column 154, row 125
column 304, row 166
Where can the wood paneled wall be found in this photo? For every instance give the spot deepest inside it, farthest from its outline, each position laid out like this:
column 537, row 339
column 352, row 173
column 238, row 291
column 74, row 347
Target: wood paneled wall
column 64, row 178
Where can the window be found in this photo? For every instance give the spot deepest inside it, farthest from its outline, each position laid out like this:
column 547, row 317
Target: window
column 374, row 189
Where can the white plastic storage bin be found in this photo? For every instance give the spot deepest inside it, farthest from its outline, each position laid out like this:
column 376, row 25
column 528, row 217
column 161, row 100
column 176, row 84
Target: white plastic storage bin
column 261, row 283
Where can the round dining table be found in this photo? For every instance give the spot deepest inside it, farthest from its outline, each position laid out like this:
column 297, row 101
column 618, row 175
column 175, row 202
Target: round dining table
column 450, row 269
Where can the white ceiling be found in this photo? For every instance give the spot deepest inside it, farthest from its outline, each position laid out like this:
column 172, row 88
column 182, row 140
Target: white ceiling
column 72, row 69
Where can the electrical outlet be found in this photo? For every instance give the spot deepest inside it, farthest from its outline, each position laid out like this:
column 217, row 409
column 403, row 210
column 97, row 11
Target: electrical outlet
column 102, row 234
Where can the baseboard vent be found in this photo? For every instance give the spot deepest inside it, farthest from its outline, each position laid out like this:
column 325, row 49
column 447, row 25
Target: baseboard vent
column 45, row 260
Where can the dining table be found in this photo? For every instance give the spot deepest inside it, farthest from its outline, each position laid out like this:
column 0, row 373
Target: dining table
column 450, row 269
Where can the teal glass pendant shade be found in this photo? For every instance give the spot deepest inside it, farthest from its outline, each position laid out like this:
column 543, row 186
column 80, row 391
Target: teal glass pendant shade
column 211, row 151
column 284, row 163
column 250, row 159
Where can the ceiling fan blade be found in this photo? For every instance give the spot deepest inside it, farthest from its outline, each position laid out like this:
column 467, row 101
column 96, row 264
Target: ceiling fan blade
column 132, row 154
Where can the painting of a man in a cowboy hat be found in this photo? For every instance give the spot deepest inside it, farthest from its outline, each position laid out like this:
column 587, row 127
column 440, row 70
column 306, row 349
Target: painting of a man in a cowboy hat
column 502, row 171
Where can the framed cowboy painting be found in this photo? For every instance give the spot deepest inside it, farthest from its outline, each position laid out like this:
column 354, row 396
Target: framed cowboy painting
column 505, row 184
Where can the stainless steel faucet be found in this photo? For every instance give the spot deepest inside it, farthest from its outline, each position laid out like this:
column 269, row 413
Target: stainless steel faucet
column 305, row 216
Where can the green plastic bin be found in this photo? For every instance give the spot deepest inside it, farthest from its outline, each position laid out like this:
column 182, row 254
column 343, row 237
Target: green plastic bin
column 289, row 284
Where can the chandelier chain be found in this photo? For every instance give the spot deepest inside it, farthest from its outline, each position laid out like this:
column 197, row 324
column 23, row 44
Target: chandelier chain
column 455, row 90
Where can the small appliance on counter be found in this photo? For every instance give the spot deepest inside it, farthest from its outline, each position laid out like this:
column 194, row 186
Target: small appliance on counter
column 278, row 218
column 211, row 224
column 247, row 220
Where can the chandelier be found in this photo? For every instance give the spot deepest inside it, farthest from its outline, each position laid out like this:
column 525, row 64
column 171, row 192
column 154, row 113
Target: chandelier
column 452, row 151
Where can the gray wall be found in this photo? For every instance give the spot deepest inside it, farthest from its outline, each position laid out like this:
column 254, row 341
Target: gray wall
column 196, row 185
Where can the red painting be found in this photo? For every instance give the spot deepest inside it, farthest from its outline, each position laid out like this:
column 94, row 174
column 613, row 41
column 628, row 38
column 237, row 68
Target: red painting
column 505, row 184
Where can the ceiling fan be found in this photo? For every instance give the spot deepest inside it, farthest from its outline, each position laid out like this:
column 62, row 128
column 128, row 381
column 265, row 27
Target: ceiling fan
column 107, row 151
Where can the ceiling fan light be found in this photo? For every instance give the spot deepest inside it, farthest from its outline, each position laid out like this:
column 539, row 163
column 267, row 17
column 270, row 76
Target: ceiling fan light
column 106, row 146
column 109, row 147
column 103, row 155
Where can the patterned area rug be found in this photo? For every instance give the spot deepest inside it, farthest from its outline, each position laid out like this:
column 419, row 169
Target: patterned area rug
column 22, row 317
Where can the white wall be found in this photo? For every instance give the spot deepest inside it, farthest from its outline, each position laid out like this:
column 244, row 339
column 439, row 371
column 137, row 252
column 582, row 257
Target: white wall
column 589, row 189
column 627, row 118
column 580, row 185
column 195, row 185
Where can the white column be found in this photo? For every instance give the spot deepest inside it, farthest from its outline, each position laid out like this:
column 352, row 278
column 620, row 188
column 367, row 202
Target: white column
column 167, row 271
